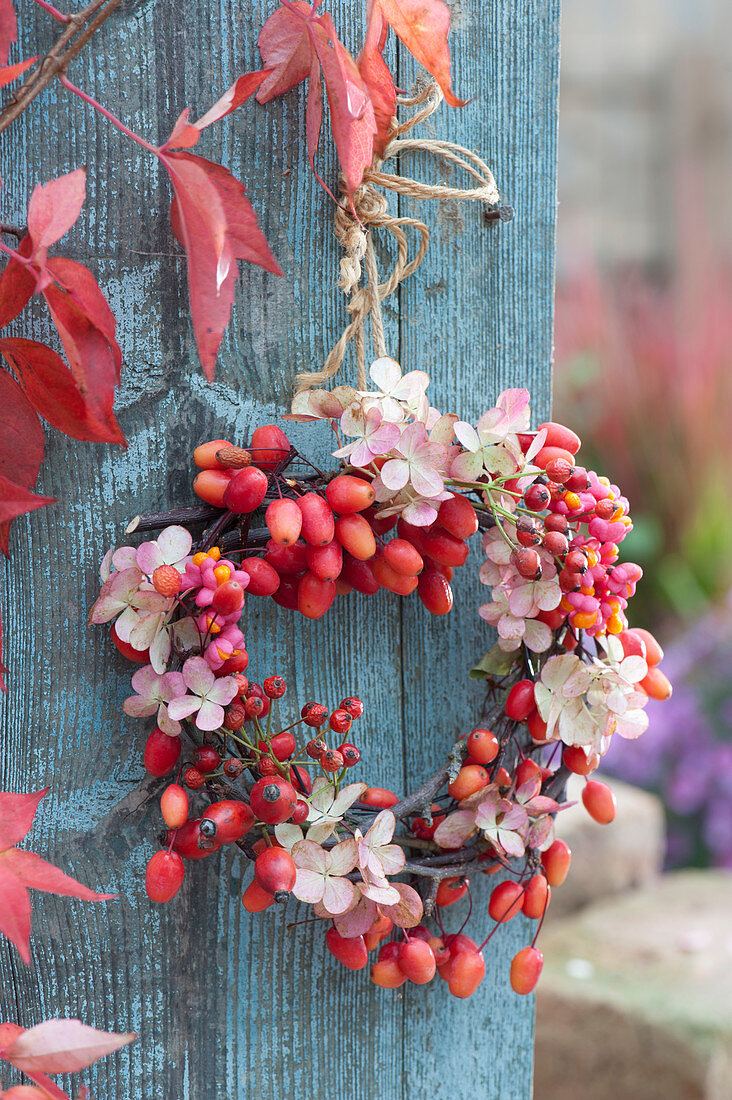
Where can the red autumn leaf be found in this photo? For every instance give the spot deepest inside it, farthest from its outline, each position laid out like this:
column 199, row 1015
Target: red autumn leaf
column 423, row 27
column 16, row 501
column 62, row 1046
column 185, row 134
column 54, row 207
column 377, row 77
column 52, row 390
column 17, row 284
column 25, row 1092
column 295, row 43
column 214, row 221
column 8, row 29
column 21, row 452
column 12, row 72
column 21, row 871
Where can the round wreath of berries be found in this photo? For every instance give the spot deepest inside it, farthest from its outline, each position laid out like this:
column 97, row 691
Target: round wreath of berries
column 566, row 673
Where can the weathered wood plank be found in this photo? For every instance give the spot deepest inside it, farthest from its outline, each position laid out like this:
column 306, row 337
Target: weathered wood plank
column 228, row 1005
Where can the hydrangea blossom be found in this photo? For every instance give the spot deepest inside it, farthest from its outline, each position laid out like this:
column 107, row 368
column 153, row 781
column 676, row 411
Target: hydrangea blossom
column 154, row 694
column 320, row 875
column 204, row 695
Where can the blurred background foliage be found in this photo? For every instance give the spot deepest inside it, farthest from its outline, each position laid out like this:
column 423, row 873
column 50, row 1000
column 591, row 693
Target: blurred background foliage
column 643, row 361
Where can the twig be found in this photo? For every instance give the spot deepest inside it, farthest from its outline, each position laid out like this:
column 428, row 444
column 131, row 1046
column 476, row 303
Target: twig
column 69, row 43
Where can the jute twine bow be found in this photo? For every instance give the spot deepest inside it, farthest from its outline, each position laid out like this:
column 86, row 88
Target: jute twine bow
column 371, row 208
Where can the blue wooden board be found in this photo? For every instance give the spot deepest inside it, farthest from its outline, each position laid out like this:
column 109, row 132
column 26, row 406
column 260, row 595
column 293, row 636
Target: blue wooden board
column 229, row 1006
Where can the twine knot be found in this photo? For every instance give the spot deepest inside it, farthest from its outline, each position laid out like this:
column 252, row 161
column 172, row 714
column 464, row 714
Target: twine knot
column 357, row 218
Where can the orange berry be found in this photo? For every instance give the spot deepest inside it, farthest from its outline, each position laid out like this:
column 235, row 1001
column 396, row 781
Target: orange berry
column 471, row 778
column 167, row 580
column 525, row 969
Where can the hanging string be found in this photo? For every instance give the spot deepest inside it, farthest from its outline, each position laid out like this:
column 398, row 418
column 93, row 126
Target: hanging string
column 355, row 227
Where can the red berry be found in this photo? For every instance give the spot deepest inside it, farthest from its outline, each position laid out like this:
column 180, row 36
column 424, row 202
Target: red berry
column 470, row 778
column 273, row 800
column 555, row 861
column 331, row 760
column 318, row 524
column 537, row 497
column 520, row 701
column 444, row 548
column 227, row 821
column 451, row 890
column 235, row 664
column 255, row 899
column 164, row 876
column 286, row 594
column 300, row 813
column 325, row 562
column 351, row 952
column 301, row 780
column 204, row 455
column 378, row 797
column 526, row 969
column 242, row 684
column 417, row 961
column 528, row 563
column 576, row 561
column 246, row 490
column 576, row 759
column 654, row 653
column 284, row 520
column 233, row 767
column 228, row 598
column 458, row 517
column 316, row 748
column 404, row 558
column 234, row 716
column 419, row 825
column 526, row 770
column 193, row 778
column 467, row 970
column 599, row 801
column 211, row 485
column 656, row 684
column 161, row 752
column 389, row 578
column 378, row 931
column 550, row 454
column 359, row 575
column 189, row 842
column 167, row 580
column 282, row 744
column 434, row 592
column 529, row 531
column 386, row 973
column 347, row 494
column 537, row 727
column 559, row 469
column 340, row 721
column 206, row 759
column 505, row 901
column 284, row 559
column 536, row 897
column 174, row 806
column 139, row 656
column 559, row 436
column 275, row 871
column 314, row 714
column 274, row 687
column 579, row 481
column 555, row 543
column 267, row 766
column 483, row 746
column 556, row 522
column 355, row 535
column 352, row 705
column 269, row 446
column 350, row 754
column 314, row 597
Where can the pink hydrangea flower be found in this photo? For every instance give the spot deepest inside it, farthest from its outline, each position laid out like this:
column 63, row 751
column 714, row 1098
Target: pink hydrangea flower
column 502, row 822
column 206, row 696
column 417, row 463
column 514, row 629
column 171, row 547
column 492, row 446
column 127, row 597
column 320, row 875
column 397, row 393
column 374, row 435
column 154, row 693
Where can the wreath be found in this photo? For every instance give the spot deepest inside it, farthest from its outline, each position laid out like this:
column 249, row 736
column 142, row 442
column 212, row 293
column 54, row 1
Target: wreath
column 566, row 674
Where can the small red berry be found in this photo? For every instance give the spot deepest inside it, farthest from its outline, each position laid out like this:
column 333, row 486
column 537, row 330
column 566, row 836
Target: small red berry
column 352, row 705
column 300, row 813
column 227, row 821
column 274, row 687
column 316, row 748
column 174, row 806
column 164, row 876
column 242, row 684
column 526, row 969
column 536, row 497
column 520, row 701
column 350, row 754
column 528, row 563
column 559, row 469
column 483, row 746
column 273, row 800
column 267, row 766
column 331, row 760
column 556, row 543
column 340, row 721
column 161, row 752
column 234, row 716
column 167, row 580
column 529, row 531
column 314, row 714
column 206, row 759
column 275, row 871
column 576, row 561
column 233, row 767
column 254, row 707
column 193, row 778
column 599, row 801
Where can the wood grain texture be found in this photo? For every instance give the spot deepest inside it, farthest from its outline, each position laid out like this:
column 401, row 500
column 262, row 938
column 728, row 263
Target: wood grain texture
column 228, row 1006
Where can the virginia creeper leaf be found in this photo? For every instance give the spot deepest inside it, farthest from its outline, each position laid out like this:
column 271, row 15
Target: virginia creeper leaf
column 52, row 390
column 84, row 290
column 12, row 72
column 237, row 94
column 214, row 221
column 16, row 284
column 21, row 454
column 21, row 871
column 286, row 49
column 377, row 77
column 54, row 207
column 62, row 1046
column 423, row 27
column 27, row 1092
column 8, row 29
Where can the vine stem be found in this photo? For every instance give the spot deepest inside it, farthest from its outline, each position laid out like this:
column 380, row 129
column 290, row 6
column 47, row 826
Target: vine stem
column 53, row 11
column 79, row 29
column 107, row 114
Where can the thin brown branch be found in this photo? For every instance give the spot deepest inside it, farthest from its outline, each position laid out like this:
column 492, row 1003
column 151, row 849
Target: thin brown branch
column 78, row 31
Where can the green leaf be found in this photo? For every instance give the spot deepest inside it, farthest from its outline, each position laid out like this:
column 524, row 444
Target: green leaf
column 497, row 662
